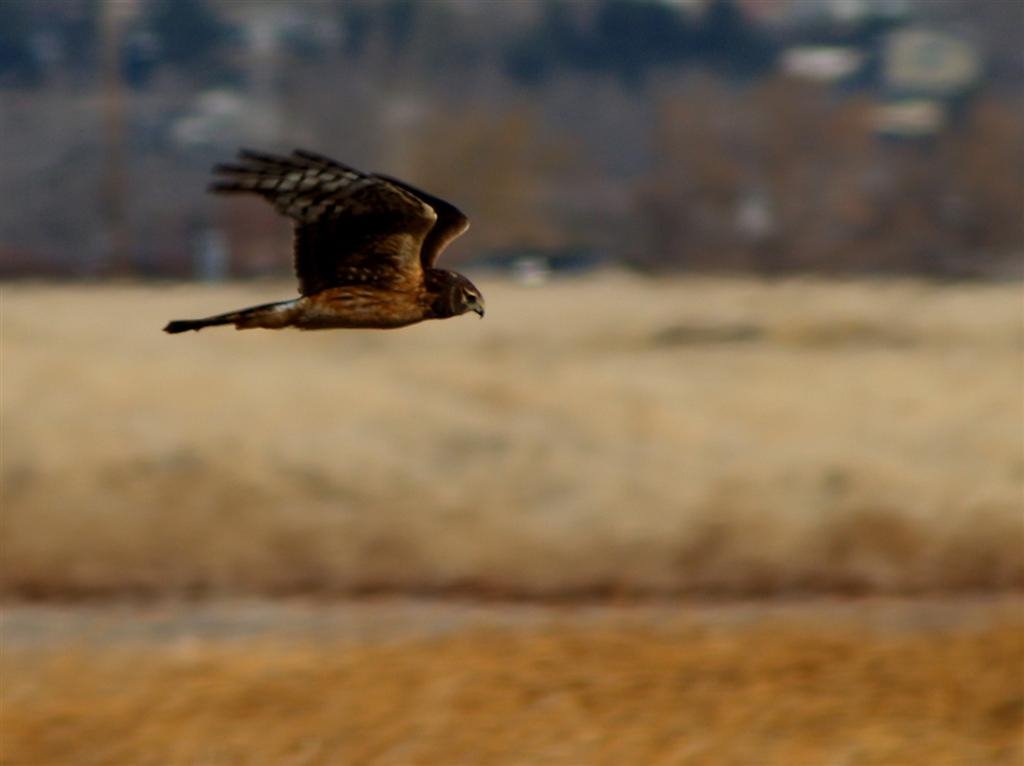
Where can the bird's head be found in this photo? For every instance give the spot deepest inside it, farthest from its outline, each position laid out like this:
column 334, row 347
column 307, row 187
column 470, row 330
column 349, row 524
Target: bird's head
column 457, row 295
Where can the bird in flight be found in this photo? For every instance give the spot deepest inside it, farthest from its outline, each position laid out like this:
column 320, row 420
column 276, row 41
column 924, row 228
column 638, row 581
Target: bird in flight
column 365, row 247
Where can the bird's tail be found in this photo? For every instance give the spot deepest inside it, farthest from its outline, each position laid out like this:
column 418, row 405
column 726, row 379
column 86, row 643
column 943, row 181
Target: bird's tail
column 270, row 315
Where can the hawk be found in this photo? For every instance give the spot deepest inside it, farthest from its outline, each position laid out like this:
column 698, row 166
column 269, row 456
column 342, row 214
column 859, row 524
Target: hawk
column 365, row 246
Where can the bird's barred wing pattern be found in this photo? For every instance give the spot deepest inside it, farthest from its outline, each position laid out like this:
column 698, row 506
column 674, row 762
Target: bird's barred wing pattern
column 351, row 228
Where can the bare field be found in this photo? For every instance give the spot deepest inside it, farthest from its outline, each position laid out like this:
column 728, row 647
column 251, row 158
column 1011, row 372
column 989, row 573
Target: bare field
column 609, row 435
column 900, row 683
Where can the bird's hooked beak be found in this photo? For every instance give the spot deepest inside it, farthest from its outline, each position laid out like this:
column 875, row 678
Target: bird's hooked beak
column 478, row 306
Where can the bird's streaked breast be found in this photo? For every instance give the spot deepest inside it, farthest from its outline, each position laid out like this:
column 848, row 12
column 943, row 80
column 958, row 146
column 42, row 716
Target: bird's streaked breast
column 357, row 306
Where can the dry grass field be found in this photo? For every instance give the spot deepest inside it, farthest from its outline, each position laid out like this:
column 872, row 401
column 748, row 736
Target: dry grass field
column 611, row 435
column 895, row 683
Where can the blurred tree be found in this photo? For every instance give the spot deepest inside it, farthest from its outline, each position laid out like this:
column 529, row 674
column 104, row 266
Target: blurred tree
column 791, row 178
column 981, row 187
column 631, row 37
column 80, row 33
column 191, row 36
column 400, row 18
column 687, row 202
column 17, row 62
column 503, row 169
column 140, row 58
column 551, row 41
column 355, row 20
column 729, row 43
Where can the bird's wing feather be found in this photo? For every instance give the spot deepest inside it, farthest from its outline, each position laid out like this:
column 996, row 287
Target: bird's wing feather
column 351, row 228
column 451, row 222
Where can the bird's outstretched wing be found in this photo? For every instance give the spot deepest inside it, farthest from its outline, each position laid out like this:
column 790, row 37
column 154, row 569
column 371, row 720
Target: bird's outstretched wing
column 351, row 228
column 451, row 222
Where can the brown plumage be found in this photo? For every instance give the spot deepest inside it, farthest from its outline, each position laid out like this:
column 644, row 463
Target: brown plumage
column 365, row 246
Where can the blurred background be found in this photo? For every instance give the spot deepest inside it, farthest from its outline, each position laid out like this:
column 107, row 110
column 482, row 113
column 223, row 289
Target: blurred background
column 732, row 471
column 765, row 135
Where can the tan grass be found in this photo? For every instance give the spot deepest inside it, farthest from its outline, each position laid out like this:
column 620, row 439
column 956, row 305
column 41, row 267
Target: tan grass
column 765, row 693
column 611, row 434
